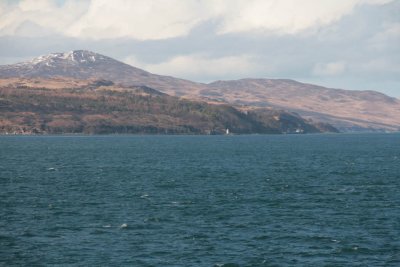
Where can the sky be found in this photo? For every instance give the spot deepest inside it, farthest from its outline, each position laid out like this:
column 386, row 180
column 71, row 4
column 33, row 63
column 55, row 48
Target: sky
column 348, row 44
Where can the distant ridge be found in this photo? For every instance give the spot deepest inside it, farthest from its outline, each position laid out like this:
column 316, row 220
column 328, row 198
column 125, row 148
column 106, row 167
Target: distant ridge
column 345, row 109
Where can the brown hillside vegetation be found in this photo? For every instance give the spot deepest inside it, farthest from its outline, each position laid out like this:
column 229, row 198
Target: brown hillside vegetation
column 57, row 106
column 347, row 110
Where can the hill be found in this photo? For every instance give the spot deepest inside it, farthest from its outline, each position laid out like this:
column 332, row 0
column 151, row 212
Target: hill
column 65, row 106
column 82, row 64
column 347, row 110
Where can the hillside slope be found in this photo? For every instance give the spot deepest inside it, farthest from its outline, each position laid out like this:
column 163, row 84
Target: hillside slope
column 57, row 106
column 345, row 109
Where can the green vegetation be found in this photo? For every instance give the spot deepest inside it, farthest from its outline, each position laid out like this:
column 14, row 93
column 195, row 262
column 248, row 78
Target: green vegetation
column 138, row 110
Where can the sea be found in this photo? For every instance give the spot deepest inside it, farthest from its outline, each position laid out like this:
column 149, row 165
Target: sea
column 245, row 200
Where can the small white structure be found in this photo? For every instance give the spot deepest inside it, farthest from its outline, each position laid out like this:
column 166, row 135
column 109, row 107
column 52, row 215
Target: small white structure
column 227, row 131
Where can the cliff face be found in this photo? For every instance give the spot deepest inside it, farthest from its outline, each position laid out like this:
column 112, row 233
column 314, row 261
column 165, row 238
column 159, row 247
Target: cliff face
column 57, row 106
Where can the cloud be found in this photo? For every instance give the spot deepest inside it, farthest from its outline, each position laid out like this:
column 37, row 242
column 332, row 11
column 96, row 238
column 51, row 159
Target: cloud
column 283, row 16
column 43, row 16
column 377, row 2
column 160, row 19
column 329, row 69
column 140, row 19
column 201, row 67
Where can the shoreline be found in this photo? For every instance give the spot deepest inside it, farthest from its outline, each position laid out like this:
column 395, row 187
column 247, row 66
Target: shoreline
column 229, row 135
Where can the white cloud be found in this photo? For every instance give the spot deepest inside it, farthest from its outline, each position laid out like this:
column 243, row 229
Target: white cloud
column 283, row 16
column 140, row 19
column 329, row 69
column 44, row 16
column 160, row 19
column 195, row 66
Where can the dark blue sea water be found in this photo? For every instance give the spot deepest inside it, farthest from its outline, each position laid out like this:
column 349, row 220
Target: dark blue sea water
column 290, row 200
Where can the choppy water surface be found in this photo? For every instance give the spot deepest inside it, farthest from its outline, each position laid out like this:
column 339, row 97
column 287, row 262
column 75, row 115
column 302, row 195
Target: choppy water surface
column 313, row 200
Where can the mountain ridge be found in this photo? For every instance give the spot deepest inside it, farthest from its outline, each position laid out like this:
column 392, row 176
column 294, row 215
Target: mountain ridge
column 103, row 68
column 346, row 109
